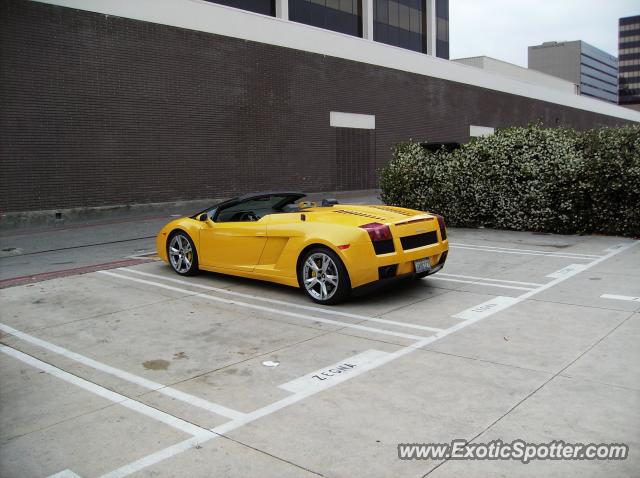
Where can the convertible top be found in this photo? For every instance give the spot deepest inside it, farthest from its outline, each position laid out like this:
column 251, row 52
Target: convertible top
column 293, row 195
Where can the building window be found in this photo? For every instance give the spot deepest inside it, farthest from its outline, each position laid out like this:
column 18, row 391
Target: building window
column 400, row 23
column 442, row 29
column 344, row 16
column 265, row 7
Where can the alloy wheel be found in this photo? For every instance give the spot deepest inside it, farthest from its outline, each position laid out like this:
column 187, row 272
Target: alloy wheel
column 180, row 254
column 320, row 276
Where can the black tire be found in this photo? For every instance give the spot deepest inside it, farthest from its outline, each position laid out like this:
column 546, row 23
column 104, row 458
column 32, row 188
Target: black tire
column 338, row 293
column 188, row 252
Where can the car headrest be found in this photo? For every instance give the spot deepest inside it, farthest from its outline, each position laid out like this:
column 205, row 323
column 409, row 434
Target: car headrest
column 329, row 202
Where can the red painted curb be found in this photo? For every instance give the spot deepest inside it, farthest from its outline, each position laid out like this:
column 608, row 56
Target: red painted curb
column 29, row 279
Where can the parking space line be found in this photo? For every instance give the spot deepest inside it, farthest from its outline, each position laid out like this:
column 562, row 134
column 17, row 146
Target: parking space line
column 268, row 309
column 503, row 286
column 110, row 395
column 292, row 399
column 318, row 378
column 158, row 456
column 274, row 407
column 64, row 474
column 532, row 251
column 490, row 280
column 129, row 377
column 522, row 252
column 567, row 270
column 620, row 297
column 487, row 308
column 153, row 256
column 284, row 302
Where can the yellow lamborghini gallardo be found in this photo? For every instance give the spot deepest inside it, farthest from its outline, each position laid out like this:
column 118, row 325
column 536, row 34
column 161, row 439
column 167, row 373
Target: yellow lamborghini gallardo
column 326, row 249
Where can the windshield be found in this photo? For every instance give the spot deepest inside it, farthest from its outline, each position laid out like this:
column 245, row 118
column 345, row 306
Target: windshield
column 252, row 209
column 271, row 201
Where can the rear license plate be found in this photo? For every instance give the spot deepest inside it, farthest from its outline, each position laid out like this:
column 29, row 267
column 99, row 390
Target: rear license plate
column 422, row 265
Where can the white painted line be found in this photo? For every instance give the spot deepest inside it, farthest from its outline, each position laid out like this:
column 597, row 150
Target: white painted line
column 503, row 286
column 297, row 397
column 537, row 251
column 389, row 357
column 320, row 379
column 488, row 279
column 266, row 309
column 115, row 397
column 486, row 308
column 620, row 297
column 320, row 310
column 159, row 456
column 146, row 255
column 129, row 377
column 572, row 269
column 572, row 273
column 504, row 251
column 64, row 474
column 560, row 276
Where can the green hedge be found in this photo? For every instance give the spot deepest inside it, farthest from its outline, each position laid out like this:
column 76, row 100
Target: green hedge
column 550, row 180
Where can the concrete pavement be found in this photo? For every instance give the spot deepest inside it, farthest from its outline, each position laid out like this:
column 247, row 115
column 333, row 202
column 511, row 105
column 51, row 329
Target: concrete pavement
column 136, row 371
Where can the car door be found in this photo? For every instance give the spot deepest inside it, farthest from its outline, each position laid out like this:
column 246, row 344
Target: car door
column 232, row 245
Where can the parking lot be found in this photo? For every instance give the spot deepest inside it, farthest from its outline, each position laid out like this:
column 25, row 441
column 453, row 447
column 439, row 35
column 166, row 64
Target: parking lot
column 136, row 371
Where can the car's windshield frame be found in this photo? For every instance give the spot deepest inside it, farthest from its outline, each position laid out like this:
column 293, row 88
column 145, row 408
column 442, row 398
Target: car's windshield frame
column 287, row 198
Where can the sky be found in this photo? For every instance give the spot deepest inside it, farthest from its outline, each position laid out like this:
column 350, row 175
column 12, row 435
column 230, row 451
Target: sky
column 503, row 29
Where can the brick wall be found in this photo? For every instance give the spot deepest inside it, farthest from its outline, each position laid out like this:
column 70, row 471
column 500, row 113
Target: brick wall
column 99, row 110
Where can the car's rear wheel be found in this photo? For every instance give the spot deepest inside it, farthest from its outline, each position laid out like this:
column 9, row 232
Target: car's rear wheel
column 182, row 254
column 323, row 276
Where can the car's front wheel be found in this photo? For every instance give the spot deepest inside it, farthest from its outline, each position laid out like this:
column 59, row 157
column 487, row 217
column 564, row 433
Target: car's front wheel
column 323, row 276
column 182, row 254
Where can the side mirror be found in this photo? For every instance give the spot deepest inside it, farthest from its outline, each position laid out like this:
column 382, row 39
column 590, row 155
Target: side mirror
column 203, row 217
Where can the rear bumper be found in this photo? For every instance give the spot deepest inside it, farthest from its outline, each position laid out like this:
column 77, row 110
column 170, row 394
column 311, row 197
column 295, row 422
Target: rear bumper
column 365, row 266
column 390, row 280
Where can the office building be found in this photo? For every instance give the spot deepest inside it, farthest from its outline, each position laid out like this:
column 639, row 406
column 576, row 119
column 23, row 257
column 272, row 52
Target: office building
column 109, row 102
column 629, row 62
column 527, row 75
column 594, row 70
column 418, row 25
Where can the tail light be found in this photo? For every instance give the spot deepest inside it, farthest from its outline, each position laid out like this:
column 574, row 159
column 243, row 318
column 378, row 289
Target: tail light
column 381, row 237
column 443, row 227
column 377, row 231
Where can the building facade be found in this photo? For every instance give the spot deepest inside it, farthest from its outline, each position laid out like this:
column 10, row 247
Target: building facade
column 527, row 75
column 115, row 103
column 594, row 70
column 418, row 25
column 629, row 62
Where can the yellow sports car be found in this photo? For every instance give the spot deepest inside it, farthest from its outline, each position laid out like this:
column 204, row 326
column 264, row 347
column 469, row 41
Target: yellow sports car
column 326, row 249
